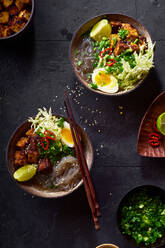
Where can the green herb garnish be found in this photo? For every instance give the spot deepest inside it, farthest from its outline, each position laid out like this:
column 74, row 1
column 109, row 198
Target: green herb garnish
column 76, row 52
column 61, row 122
column 52, row 186
column 136, row 41
column 114, row 41
column 55, row 151
column 93, row 86
column 143, row 218
column 79, row 62
column 122, row 33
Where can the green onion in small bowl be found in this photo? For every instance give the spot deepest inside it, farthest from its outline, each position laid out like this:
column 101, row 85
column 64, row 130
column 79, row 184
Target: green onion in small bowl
column 141, row 216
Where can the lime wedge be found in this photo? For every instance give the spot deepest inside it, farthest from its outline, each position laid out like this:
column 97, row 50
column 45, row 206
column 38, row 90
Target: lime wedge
column 100, row 30
column 161, row 123
column 25, row 173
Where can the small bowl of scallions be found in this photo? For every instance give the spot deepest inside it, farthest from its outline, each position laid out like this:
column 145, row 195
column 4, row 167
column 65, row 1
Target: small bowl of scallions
column 141, row 216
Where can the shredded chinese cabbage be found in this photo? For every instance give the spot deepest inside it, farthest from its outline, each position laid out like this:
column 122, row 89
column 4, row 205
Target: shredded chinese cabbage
column 44, row 120
column 144, row 62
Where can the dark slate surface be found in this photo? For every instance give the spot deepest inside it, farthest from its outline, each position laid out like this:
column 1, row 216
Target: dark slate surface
column 34, row 73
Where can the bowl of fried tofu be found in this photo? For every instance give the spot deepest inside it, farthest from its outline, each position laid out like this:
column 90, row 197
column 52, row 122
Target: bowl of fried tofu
column 15, row 16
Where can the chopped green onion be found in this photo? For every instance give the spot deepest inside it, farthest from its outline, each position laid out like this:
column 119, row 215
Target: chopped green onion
column 76, row 51
column 93, row 86
column 79, row 62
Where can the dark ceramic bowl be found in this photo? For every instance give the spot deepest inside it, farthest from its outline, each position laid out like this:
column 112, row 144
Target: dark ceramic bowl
column 24, row 29
column 153, row 191
column 29, row 186
column 78, row 37
column 107, row 246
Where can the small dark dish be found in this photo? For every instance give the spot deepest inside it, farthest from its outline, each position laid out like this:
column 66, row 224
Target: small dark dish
column 78, row 39
column 30, row 186
column 146, row 127
column 20, row 14
column 151, row 190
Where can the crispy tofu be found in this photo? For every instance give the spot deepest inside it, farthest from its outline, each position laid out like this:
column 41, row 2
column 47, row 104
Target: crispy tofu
column 6, row 31
column 22, row 143
column 120, row 47
column 134, row 47
column 4, row 17
column 13, row 10
column 32, row 156
column 17, row 24
column 24, row 14
column 44, row 164
column 143, row 41
column 115, row 26
column 20, row 158
column 7, row 3
column 19, row 4
column 30, row 132
column 132, row 32
column 114, row 37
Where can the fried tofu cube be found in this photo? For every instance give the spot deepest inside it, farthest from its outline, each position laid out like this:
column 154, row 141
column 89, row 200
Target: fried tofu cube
column 24, row 14
column 4, row 17
column 120, row 47
column 115, row 26
column 19, row 4
column 30, row 132
column 20, row 158
column 134, row 47
column 32, row 156
column 132, row 32
column 17, row 24
column 22, row 142
column 6, row 31
column 113, row 39
column 7, row 3
column 13, row 10
column 44, row 164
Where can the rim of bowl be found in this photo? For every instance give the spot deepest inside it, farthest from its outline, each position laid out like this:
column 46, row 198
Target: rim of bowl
column 20, row 31
column 37, row 192
column 107, row 245
column 125, row 197
column 83, row 81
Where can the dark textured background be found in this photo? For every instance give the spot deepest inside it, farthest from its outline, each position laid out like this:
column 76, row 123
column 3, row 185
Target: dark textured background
column 34, row 73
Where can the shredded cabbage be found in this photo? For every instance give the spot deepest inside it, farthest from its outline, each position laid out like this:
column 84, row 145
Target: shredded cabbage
column 44, row 120
column 144, row 62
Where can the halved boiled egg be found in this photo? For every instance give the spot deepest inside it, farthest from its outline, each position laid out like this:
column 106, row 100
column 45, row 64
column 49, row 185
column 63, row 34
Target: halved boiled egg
column 105, row 82
column 66, row 135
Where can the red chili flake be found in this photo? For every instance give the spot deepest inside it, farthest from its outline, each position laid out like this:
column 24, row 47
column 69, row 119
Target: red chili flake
column 43, row 141
column 113, row 61
column 154, row 136
column 155, row 126
column 107, row 49
column 154, row 142
column 49, row 135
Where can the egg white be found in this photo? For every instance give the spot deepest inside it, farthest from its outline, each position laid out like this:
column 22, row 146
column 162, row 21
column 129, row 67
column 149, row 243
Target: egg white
column 66, row 126
column 112, row 87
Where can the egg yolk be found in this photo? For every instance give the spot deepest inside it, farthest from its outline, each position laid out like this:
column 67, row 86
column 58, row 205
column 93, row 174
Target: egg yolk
column 102, row 78
column 67, row 135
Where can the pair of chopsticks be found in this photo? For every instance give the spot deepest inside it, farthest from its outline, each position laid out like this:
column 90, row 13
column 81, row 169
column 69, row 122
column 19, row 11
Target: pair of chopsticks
column 89, row 188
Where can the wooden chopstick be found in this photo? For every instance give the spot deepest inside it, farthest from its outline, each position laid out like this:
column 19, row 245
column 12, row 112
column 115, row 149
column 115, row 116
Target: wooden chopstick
column 86, row 186
column 90, row 192
column 83, row 158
